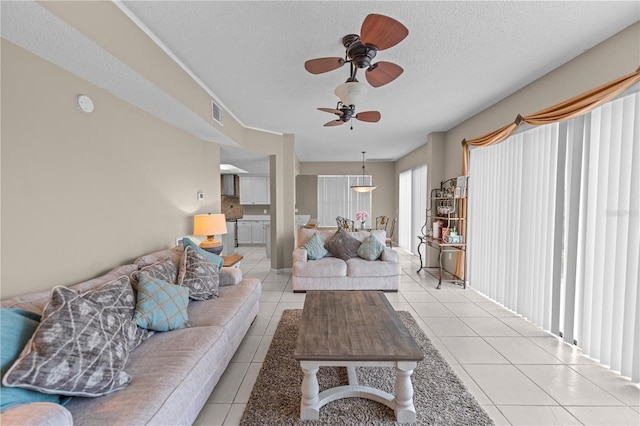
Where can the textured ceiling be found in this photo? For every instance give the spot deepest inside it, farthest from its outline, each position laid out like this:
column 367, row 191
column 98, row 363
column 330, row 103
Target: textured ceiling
column 459, row 58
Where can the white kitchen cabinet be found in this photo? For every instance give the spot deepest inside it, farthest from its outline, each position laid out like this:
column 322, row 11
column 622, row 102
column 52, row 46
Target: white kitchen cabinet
column 254, row 190
column 252, row 231
column 257, row 233
column 244, row 231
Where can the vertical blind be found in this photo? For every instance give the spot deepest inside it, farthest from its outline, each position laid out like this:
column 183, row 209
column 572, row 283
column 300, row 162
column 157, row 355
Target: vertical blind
column 336, row 198
column 554, row 229
column 511, row 222
column 412, row 206
column 603, row 246
column 404, row 210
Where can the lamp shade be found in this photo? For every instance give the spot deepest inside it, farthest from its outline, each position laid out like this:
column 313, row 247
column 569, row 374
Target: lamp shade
column 209, row 224
column 351, row 92
column 364, row 187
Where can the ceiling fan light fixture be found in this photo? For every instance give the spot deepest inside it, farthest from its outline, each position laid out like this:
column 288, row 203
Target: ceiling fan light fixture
column 351, row 92
column 363, row 187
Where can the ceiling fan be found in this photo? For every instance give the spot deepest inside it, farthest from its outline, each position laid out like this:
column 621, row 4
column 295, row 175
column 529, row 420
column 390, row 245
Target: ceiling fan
column 347, row 112
column 378, row 32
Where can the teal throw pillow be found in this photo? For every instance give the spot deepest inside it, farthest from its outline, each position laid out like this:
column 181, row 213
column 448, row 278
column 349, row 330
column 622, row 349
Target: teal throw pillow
column 217, row 260
column 315, row 247
column 161, row 306
column 17, row 327
column 371, row 248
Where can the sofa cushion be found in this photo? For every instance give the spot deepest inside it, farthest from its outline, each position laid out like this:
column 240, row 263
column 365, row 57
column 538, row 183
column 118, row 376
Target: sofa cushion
column 37, row 413
column 79, row 348
column 214, row 258
column 323, row 268
column 343, row 245
column 371, row 248
column 172, row 371
column 199, row 274
column 161, row 306
column 315, row 248
column 358, row 267
column 17, row 326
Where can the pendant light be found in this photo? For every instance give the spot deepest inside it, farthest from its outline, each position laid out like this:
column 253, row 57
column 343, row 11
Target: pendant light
column 363, row 187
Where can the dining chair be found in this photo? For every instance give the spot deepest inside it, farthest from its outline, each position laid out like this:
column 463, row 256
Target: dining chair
column 390, row 234
column 381, row 223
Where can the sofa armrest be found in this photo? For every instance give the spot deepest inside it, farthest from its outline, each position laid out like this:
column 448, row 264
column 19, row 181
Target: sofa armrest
column 389, row 255
column 37, row 413
column 299, row 258
column 229, row 276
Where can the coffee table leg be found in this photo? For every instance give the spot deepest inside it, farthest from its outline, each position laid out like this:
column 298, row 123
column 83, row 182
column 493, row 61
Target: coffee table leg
column 404, row 408
column 309, row 403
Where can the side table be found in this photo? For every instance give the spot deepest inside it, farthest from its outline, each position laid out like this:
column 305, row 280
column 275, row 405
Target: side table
column 232, row 261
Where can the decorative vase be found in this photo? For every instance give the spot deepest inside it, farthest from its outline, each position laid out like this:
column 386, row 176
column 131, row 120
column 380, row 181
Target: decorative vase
column 362, row 225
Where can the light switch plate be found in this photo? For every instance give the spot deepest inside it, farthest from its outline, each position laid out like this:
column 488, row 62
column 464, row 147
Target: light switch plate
column 200, row 195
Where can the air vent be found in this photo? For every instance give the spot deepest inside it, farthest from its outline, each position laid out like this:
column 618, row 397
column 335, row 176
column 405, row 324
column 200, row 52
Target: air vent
column 216, row 112
column 379, row 160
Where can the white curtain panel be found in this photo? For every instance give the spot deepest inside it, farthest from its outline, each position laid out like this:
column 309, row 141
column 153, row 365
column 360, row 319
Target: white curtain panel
column 554, row 230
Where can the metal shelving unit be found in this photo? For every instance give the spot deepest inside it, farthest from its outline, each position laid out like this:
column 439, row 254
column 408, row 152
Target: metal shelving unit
column 445, row 208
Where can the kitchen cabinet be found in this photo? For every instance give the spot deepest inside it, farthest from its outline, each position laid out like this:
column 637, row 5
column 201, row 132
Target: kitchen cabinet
column 244, row 231
column 252, row 231
column 255, row 190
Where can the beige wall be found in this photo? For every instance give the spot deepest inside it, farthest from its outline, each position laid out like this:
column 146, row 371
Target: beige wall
column 383, row 200
column 129, row 44
column 83, row 193
column 611, row 59
column 307, row 195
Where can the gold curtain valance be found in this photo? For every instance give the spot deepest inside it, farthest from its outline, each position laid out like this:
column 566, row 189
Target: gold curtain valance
column 566, row 110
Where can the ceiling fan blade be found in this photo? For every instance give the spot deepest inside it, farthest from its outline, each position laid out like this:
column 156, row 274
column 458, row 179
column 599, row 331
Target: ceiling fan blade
column 370, row 116
column 332, row 111
column 383, row 73
column 320, row 65
column 333, row 123
column 382, row 32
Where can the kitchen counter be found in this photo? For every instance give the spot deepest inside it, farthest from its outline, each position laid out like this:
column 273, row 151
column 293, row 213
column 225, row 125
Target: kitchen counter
column 256, row 217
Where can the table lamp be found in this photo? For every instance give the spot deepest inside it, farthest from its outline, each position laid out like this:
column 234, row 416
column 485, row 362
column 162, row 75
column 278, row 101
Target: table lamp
column 209, row 225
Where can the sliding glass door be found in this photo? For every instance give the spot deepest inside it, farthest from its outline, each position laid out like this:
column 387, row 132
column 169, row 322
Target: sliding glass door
column 412, row 200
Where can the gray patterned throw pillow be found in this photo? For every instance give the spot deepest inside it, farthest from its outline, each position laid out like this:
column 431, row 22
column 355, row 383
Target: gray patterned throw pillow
column 80, row 347
column 199, row 274
column 343, row 245
column 118, row 297
column 165, row 270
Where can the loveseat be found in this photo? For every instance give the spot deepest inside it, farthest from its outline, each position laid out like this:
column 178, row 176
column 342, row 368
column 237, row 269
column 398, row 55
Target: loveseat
column 172, row 372
column 353, row 273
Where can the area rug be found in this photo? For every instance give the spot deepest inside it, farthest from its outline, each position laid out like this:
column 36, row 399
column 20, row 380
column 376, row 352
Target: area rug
column 440, row 398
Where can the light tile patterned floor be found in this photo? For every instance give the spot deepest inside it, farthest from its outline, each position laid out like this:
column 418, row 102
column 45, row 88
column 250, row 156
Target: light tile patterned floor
column 517, row 372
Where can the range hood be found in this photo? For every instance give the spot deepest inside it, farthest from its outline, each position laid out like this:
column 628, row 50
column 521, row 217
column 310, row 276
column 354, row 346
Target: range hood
column 228, row 185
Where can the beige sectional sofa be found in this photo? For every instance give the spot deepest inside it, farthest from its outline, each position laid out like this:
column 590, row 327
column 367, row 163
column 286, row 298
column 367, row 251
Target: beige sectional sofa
column 173, row 372
column 332, row 273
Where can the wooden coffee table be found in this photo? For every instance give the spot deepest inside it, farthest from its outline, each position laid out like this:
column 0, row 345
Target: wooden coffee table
column 350, row 329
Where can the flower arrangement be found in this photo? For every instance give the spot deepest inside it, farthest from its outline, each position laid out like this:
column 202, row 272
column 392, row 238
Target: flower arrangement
column 362, row 218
